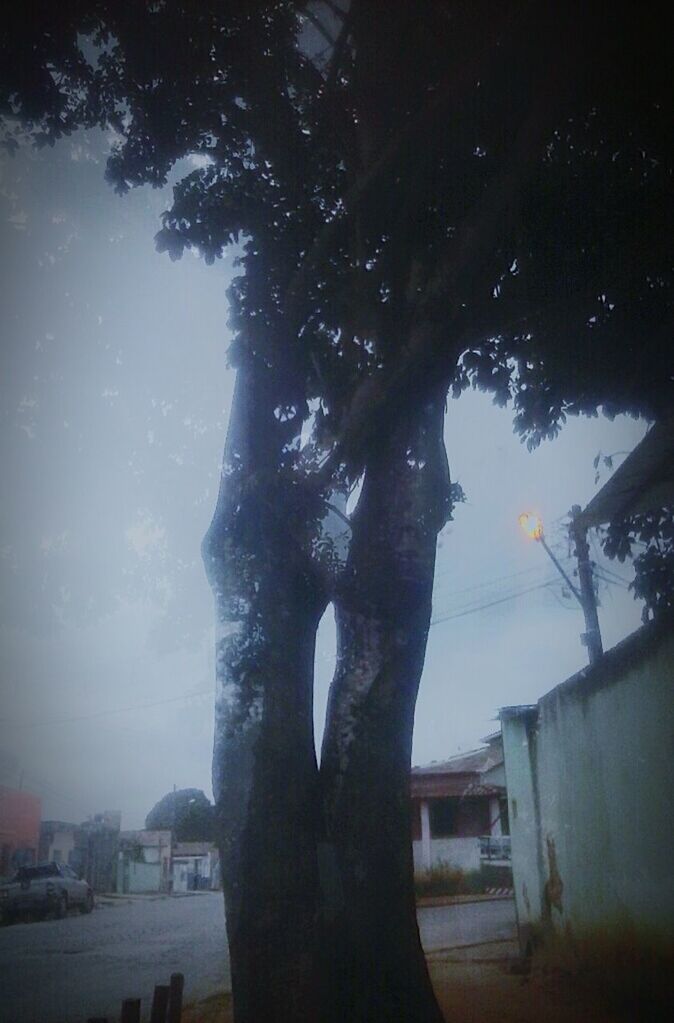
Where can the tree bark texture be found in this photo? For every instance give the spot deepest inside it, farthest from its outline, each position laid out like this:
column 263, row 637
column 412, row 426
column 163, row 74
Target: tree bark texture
column 383, row 609
column 317, row 868
column 268, row 605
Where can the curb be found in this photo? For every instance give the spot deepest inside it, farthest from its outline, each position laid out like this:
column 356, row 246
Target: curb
column 496, row 895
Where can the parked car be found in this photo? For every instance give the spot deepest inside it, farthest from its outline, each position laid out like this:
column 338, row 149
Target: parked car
column 47, row 888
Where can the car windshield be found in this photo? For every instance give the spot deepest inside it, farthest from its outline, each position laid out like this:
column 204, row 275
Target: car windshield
column 32, row 873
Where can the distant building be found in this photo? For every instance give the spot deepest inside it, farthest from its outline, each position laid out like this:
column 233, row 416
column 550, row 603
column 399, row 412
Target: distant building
column 195, row 866
column 144, row 861
column 96, row 847
column 20, row 814
column 58, row 841
column 460, row 810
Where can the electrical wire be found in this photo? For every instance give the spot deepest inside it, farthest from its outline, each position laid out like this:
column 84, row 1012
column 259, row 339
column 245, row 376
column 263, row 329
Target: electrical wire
column 461, row 612
column 491, row 582
column 116, row 710
column 493, row 603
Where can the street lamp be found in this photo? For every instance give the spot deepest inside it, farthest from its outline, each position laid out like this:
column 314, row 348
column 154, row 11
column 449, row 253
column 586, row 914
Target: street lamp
column 533, row 527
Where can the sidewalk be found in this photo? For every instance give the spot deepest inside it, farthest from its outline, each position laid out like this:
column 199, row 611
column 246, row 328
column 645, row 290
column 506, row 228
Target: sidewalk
column 454, row 900
column 118, row 898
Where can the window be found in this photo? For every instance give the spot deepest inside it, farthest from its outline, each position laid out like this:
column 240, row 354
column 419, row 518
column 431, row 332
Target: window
column 505, row 821
column 442, row 814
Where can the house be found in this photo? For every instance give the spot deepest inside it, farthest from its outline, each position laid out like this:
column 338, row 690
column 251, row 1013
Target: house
column 20, row 814
column 460, row 811
column 58, row 841
column 194, row 866
column 642, row 483
column 144, row 861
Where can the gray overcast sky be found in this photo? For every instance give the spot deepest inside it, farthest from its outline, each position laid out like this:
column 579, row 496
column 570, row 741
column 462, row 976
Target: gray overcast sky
column 115, row 397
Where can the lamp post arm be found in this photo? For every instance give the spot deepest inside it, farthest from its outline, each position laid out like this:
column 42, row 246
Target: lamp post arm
column 561, row 570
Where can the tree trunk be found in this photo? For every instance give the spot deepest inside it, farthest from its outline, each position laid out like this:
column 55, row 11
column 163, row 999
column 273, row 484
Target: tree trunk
column 377, row 968
column 268, row 605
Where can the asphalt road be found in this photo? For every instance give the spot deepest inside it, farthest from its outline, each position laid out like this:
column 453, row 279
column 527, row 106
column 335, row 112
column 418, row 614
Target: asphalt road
column 467, row 923
column 64, row 971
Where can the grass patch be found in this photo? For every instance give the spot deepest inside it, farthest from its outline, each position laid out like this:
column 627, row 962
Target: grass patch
column 444, row 879
column 214, row 1009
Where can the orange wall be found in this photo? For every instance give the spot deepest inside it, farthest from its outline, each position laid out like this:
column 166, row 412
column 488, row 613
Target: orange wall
column 20, row 814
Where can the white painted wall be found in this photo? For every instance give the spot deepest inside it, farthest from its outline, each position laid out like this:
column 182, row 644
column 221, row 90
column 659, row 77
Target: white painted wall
column 61, row 846
column 463, row 853
column 592, row 775
column 144, row 877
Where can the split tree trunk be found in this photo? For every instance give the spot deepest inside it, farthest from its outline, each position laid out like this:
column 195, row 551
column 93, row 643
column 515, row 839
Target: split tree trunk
column 377, row 967
column 268, row 605
column 321, row 923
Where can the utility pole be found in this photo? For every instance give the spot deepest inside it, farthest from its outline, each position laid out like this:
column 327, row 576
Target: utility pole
column 586, row 597
column 533, row 527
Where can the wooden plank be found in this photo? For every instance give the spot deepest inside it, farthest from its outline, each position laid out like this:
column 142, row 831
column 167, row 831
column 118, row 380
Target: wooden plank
column 176, row 998
column 160, row 1002
column 130, row 1010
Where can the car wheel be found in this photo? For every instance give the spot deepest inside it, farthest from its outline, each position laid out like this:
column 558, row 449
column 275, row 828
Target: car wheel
column 62, row 906
column 88, row 903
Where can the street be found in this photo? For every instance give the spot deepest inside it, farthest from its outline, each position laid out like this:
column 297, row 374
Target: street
column 468, row 923
column 64, row 971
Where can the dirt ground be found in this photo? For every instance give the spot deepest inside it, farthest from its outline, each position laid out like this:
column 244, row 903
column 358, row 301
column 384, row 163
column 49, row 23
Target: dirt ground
column 482, row 984
column 485, row 984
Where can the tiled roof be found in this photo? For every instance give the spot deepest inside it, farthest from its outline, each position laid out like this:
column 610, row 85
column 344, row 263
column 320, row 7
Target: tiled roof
column 477, row 761
column 461, row 775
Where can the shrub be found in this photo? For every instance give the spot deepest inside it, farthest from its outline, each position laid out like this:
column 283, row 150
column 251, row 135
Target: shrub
column 444, row 879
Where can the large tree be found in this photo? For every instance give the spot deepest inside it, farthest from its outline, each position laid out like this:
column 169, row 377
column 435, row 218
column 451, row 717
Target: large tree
column 426, row 196
column 187, row 813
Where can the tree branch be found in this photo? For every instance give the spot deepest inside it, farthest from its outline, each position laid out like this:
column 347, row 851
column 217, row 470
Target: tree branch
column 411, row 366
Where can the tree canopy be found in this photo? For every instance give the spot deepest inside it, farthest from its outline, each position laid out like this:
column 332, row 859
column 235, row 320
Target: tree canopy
column 439, row 192
column 188, row 813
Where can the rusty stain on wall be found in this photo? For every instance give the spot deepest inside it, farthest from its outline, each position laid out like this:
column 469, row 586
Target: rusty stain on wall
column 554, row 886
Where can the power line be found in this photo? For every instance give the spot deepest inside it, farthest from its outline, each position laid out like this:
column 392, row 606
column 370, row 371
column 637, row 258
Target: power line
column 493, row 603
column 458, row 613
column 611, row 580
column 492, row 582
column 609, row 571
column 116, row 710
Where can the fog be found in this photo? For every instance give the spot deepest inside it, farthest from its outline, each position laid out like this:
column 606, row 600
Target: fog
column 115, row 397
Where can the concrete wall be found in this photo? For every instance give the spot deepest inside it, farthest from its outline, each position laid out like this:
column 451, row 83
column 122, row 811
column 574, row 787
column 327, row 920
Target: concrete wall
column 187, row 868
column 589, row 773
column 138, row 878
column 456, row 852
column 20, row 814
column 61, row 846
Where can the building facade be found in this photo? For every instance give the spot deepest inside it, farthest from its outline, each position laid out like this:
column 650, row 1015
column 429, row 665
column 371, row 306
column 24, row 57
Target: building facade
column 144, row 861
column 20, row 814
column 58, row 842
column 459, row 810
column 194, row 866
